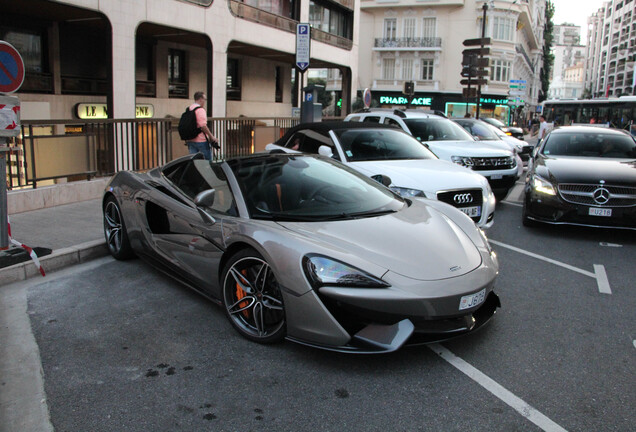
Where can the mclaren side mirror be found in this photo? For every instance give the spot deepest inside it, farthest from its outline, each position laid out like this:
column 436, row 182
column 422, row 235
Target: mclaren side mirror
column 203, row 201
column 381, row 178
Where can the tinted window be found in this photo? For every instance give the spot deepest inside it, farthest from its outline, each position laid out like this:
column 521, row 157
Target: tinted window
column 371, row 119
column 590, row 144
column 380, row 144
column 480, row 130
column 437, row 130
column 301, row 187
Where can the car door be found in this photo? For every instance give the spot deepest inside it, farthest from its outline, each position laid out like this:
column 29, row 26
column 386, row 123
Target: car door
column 190, row 242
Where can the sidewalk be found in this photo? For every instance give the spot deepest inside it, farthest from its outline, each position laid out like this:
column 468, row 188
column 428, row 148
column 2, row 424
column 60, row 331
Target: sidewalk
column 73, row 232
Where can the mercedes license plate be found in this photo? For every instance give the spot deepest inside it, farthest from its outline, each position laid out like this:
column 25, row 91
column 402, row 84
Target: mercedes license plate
column 600, row 211
column 496, row 176
column 472, row 300
column 471, row 211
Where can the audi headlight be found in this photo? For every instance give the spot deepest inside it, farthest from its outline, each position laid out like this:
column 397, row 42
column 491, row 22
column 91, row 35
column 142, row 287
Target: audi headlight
column 323, row 271
column 463, row 161
column 542, row 186
column 408, row 192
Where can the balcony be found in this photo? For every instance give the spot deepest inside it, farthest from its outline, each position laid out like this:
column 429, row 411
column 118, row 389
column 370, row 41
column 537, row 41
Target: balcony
column 37, row 83
column 522, row 51
column 417, row 43
column 260, row 16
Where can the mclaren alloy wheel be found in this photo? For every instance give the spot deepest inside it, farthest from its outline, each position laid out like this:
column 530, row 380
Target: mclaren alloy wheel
column 115, row 231
column 252, row 298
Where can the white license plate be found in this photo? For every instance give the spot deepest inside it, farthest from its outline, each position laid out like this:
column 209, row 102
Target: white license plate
column 472, row 300
column 496, row 176
column 471, row 211
column 600, row 212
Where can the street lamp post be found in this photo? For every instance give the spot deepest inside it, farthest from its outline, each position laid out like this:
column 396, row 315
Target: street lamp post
column 483, row 35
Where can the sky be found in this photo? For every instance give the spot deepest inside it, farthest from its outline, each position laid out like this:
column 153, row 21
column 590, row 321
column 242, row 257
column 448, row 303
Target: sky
column 575, row 12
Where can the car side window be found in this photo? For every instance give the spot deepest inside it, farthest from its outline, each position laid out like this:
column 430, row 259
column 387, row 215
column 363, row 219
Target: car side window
column 199, row 175
column 371, row 119
column 392, row 122
column 309, row 141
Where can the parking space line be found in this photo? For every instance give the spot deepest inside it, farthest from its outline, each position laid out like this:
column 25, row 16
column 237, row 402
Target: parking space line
column 516, row 204
column 599, row 271
column 601, row 279
column 498, row 390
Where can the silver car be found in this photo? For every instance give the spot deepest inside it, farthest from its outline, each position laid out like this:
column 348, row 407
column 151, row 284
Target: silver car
column 301, row 247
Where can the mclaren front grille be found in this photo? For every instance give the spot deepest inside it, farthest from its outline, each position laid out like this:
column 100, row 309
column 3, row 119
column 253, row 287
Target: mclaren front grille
column 598, row 195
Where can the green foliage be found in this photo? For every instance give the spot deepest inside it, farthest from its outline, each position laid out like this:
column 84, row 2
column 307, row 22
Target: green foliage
column 324, row 97
column 548, row 58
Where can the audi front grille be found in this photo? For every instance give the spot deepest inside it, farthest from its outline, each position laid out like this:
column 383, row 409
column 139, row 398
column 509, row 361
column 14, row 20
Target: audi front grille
column 463, row 198
column 598, row 195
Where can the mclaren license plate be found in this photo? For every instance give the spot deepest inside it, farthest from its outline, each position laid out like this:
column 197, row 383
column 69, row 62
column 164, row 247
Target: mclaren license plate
column 471, row 211
column 600, row 211
column 472, row 300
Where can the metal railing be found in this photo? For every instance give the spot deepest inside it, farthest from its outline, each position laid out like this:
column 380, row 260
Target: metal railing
column 428, row 42
column 83, row 149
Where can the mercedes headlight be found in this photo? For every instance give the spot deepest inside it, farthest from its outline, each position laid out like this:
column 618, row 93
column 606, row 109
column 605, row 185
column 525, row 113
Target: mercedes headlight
column 463, row 161
column 408, row 192
column 323, row 271
column 542, row 186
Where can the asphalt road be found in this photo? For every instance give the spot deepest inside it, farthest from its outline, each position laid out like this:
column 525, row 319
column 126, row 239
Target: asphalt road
column 124, row 348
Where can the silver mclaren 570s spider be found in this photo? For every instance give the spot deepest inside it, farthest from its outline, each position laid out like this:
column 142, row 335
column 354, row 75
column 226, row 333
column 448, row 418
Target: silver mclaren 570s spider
column 301, row 247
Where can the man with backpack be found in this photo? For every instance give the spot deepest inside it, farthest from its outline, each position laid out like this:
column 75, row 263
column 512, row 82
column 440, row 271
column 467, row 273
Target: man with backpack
column 193, row 128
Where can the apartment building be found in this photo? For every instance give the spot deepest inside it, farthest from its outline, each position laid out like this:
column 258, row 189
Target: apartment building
column 146, row 58
column 412, row 40
column 568, row 54
column 611, row 50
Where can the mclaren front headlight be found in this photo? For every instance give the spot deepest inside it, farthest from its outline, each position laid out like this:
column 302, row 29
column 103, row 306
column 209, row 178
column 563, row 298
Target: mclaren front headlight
column 323, row 271
column 541, row 185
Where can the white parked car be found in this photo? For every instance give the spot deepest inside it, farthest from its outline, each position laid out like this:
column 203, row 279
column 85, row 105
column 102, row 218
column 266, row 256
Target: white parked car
column 452, row 143
column 383, row 153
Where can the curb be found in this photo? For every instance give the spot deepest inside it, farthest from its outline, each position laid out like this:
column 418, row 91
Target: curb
column 57, row 260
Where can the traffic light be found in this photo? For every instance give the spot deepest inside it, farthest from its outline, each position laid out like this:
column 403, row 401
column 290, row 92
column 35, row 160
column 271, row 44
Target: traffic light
column 409, row 88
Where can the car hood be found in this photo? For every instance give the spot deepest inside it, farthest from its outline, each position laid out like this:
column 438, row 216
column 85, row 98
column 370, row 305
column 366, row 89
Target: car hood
column 587, row 170
column 466, row 148
column 429, row 175
column 418, row 242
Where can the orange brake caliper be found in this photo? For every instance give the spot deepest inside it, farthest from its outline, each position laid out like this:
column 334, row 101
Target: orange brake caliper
column 240, row 293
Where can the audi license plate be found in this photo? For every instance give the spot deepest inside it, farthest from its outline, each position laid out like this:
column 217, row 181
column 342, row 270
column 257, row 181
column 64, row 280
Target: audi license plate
column 600, row 211
column 472, row 300
column 471, row 211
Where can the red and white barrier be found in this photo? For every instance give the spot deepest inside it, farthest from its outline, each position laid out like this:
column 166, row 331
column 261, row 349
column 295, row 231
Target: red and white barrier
column 29, row 250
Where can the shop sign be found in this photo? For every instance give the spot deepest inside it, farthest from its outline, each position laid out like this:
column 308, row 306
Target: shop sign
column 401, row 100
column 98, row 111
column 503, row 101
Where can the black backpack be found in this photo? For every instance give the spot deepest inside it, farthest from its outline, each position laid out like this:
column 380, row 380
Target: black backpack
column 188, row 124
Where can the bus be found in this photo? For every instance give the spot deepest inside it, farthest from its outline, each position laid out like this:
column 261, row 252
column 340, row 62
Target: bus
column 618, row 113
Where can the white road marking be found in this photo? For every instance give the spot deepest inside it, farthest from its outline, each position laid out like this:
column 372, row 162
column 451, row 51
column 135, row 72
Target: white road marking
column 601, row 279
column 599, row 270
column 610, row 245
column 516, row 204
column 498, row 390
column 635, row 343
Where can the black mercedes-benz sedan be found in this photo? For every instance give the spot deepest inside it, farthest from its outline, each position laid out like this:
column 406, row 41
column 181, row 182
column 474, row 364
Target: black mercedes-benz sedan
column 583, row 175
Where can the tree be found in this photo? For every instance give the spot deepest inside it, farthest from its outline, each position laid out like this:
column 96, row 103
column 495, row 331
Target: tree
column 548, row 57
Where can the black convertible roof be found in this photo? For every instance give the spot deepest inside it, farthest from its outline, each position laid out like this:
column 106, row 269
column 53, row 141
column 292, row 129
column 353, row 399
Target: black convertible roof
column 324, row 128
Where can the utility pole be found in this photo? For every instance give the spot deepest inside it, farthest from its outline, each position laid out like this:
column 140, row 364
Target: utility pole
column 483, row 35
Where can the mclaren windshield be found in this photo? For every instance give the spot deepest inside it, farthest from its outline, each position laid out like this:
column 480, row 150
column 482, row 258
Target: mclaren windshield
column 309, row 188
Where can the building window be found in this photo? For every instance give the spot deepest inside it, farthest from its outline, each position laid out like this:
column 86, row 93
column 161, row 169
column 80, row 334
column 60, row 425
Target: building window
column 390, row 28
column 409, row 28
column 32, row 47
column 388, row 69
column 330, row 18
column 233, row 80
column 278, row 77
column 502, row 28
column 429, row 27
column 177, row 81
column 427, row 69
column 407, row 69
column 500, row 70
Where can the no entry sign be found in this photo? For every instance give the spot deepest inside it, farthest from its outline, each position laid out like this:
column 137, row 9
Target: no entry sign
column 11, row 68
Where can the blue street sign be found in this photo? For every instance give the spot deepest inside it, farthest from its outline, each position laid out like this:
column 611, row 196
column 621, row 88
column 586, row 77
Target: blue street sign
column 518, row 81
column 303, row 45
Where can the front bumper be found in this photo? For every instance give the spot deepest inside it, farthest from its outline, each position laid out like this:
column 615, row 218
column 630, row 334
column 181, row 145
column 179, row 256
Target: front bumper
column 552, row 209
